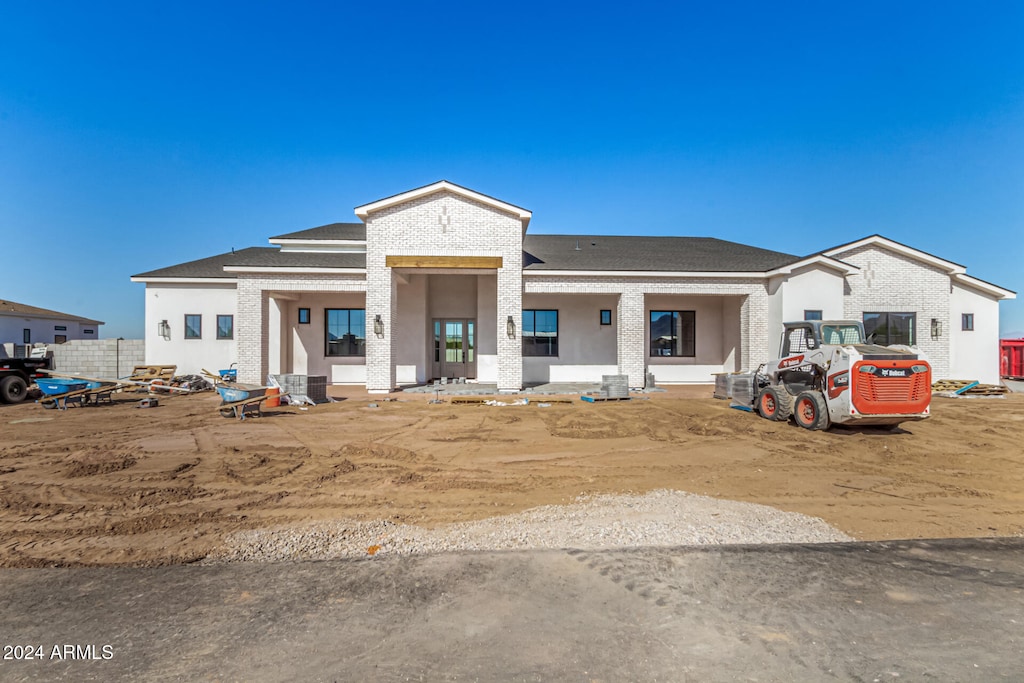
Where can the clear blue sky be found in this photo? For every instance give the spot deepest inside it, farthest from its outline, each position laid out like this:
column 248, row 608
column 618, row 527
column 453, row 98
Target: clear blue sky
column 137, row 135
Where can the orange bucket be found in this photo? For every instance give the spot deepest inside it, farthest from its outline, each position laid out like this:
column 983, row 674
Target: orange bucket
column 275, row 401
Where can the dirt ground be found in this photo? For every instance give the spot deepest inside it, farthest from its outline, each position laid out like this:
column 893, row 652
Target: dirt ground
column 118, row 485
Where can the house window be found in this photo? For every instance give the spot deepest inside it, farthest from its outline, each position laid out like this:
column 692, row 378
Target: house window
column 26, row 336
column 967, row 322
column 891, row 328
column 60, row 328
column 673, row 333
column 540, row 333
column 812, row 315
column 193, row 326
column 60, row 338
column 225, row 327
column 303, row 316
column 345, row 331
column 606, row 317
column 88, row 331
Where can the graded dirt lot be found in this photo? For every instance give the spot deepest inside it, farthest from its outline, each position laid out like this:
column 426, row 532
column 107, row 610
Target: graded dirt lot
column 118, row 485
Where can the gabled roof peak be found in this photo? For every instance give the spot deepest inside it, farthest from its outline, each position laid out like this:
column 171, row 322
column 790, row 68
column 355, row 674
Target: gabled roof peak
column 441, row 186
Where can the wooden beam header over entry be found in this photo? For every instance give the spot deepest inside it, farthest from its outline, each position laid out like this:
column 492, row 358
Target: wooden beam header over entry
column 442, row 261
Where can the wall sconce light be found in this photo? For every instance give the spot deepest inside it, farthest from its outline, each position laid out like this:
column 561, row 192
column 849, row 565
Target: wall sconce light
column 510, row 328
column 378, row 326
column 936, row 328
column 164, row 330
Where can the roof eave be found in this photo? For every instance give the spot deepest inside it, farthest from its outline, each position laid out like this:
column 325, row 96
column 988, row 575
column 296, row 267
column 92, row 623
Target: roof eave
column 999, row 293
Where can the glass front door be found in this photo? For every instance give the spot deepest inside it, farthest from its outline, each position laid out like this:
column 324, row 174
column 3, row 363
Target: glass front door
column 454, row 348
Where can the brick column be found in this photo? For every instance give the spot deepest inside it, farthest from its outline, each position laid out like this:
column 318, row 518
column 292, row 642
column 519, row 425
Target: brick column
column 754, row 342
column 630, row 336
column 510, row 350
column 381, row 293
column 251, row 331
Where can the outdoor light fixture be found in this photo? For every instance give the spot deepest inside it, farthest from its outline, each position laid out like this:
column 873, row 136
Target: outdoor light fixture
column 378, row 326
column 936, row 328
column 164, row 329
column 510, row 328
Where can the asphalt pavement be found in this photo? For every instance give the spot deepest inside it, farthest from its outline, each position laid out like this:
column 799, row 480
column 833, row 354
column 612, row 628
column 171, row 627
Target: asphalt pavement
column 950, row 610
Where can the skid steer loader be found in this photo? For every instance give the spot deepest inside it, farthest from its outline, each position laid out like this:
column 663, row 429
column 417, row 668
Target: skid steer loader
column 827, row 374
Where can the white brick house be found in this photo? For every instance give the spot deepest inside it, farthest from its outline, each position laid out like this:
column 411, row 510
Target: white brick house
column 442, row 281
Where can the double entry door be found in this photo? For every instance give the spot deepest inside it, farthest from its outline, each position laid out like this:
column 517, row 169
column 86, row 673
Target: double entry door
column 454, row 347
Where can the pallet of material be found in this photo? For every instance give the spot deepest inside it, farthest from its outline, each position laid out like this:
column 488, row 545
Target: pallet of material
column 601, row 399
column 963, row 387
column 147, row 373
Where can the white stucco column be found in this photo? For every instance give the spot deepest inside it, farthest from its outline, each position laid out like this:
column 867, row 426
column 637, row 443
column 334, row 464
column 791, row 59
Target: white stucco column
column 631, row 337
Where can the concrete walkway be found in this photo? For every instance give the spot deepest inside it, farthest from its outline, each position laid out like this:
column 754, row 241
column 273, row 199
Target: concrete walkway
column 908, row 611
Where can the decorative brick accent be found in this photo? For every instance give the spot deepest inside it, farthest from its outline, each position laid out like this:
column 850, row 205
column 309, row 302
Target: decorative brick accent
column 441, row 224
column 632, row 325
column 252, row 334
column 890, row 282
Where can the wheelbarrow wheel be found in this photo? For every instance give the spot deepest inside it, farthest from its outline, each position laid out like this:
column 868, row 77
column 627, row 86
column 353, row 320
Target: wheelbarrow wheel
column 49, row 405
column 227, row 412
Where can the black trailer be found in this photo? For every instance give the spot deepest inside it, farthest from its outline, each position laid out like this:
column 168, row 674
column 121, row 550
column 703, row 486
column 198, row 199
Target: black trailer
column 16, row 374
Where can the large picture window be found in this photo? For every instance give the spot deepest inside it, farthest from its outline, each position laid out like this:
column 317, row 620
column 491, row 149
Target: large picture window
column 346, row 331
column 540, row 333
column 891, row 328
column 673, row 333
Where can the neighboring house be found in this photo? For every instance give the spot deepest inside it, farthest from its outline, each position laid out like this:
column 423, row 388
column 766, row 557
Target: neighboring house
column 23, row 325
column 442, row 281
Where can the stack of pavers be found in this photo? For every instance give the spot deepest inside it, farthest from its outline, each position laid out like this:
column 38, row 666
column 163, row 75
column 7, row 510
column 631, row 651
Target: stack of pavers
column 312, row 386
column 615, row 386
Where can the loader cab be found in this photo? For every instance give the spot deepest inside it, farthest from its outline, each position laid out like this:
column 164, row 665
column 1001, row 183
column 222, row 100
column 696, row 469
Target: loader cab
column 808, row 335
column 797, row 338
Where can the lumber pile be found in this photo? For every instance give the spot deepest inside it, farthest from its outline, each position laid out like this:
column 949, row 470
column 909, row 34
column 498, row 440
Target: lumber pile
column 964, row 387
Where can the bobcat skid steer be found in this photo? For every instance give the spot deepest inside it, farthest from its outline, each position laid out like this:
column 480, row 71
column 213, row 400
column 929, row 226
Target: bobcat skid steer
column 827, row 374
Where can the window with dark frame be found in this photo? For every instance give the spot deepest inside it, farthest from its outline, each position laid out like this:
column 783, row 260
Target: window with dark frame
column 26, row 336
column 967, row 322
column 812, row 315
column 193, row 326
column 345, row 331
column 887, row 329
column 88, row 331
column 540, row 332
column 673, row 333
column 225, row 327
column 303, row 316
column 60, row 328
column 606, row 317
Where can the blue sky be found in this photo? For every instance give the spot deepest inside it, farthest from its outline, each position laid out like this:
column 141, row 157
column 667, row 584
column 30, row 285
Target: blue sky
column 135, row 136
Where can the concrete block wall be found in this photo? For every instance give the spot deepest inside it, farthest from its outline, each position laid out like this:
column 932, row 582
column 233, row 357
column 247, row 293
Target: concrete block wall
column 103, row 358
column 442, row 224
column 890, row 282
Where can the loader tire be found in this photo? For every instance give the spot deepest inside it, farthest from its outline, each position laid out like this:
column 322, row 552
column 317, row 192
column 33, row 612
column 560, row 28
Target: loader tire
column 810, row 410
column 13, row 389
column 775, row 403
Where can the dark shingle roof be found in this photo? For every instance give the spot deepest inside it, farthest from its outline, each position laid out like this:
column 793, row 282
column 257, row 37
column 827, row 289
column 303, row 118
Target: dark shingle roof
column 332, row 231
column 270, row 257
column 627, row 253
column 35, row 311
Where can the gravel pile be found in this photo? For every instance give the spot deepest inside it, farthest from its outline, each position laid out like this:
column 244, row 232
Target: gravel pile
column 659, row 518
